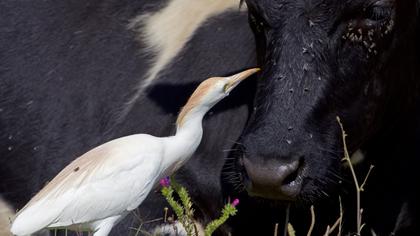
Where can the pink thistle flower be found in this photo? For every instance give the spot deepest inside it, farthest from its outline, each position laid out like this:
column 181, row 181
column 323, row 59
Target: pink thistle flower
column 165, row 182
column 235, row 202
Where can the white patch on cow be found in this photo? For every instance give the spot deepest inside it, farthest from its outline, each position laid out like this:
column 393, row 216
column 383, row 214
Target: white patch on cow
column 6, row 214
column 166, row 31
column 176, row 229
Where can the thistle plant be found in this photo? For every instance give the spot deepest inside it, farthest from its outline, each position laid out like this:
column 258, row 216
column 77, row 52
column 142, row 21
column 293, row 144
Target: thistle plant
column 185, row 212
column 228, row 210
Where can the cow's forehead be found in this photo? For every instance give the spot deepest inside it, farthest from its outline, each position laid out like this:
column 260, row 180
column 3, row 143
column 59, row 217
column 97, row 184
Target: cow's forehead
column 274, row 8
column 327, row 13
column 313, row 4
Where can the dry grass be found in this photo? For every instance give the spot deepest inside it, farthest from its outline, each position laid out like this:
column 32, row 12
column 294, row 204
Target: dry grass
column 359, row 188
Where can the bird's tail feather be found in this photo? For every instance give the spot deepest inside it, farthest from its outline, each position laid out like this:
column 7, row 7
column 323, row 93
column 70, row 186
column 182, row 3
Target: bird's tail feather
column 34, row 218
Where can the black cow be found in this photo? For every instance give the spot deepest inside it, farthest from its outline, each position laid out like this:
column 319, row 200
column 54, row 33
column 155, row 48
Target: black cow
column 358, row 60
column 75, row 74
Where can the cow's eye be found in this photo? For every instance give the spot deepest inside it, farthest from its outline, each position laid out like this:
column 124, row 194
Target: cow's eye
column 371, row 26
column 377, row 13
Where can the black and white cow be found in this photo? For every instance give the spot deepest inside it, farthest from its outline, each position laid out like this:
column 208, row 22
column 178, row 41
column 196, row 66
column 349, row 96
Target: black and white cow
column 74, row 74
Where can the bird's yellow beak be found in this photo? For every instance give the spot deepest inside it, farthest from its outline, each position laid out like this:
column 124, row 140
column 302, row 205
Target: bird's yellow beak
column 234, row 80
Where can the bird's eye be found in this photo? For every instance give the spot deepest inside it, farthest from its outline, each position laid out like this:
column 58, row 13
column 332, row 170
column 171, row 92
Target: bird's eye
column 226, row 87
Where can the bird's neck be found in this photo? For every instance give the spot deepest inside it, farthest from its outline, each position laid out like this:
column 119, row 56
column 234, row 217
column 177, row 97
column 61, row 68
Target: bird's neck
column 181, row 146
column 192, row 120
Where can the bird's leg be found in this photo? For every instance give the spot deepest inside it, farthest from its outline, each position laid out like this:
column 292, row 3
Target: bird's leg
column 103, row 227
column 103, row 230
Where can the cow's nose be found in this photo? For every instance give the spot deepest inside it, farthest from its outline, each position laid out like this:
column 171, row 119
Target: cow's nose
column 273, row 180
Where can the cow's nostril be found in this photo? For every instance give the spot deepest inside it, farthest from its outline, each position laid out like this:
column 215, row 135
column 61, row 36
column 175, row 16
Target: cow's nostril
column 294, row 171
column 292, row 183
column 274, row 179
column 291, row 177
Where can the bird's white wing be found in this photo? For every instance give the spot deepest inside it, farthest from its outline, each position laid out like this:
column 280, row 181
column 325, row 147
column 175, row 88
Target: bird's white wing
column 105, row 181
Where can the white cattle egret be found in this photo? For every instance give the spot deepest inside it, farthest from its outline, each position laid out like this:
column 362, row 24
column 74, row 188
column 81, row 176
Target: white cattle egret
column 101, row 187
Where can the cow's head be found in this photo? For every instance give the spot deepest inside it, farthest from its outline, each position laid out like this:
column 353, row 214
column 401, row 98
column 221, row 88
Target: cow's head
column 321, row 59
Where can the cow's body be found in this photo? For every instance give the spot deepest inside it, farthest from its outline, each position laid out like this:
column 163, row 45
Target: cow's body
column 76, row 74
column 70, row 70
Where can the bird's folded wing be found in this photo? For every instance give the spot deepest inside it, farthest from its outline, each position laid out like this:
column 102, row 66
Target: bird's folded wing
column 107, row 197
column 99, row 183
